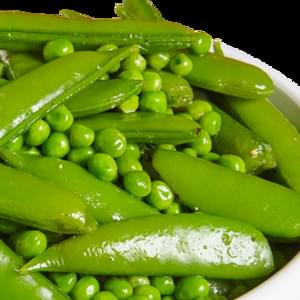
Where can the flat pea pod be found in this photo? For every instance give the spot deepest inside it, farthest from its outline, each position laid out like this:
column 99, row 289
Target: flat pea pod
column 229, row 76
column 102, row 96
column 261, row 116
column 146, row 127
column 18, row 287
column 184, row 244
column 31, row 201
column 30, row 31
column 77, row 71
column 106, row 202
column 271, row 208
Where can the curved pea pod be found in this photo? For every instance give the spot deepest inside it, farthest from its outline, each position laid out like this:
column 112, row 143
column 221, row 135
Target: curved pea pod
column 146, row 127
column 272, row 208
column 177, row 245
column 72, row 74
column 178, row 90
column 30, row 31
column 269, row 123
column 102, row 95
column 31, row 201
column 106, row 202
column 234, row 138
column 229, row 76
column 18, row 287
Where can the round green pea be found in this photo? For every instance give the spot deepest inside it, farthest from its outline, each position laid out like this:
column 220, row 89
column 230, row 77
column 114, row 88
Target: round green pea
column 181, row 64
column 198, row 108
column 104, row 77
column 134, row 61
column 133, row 150
column 167, row 147
column 107, row 48
column 115, row 68
column 15, row 144
column 202, row 144
column 211, row 122
column 111, row 141
column 152, row 81
column 138, row 183
column 130, row 105
column 131, row 75
column 121, row 288
column 173, row 209
column 105, row 295
column 161, row 196
column 81, row 156
column 190, row 151
column 31, row 150
column 60, row 119
column 233, row 162
column 37, row 133
column 211, row 156
column 81, row 136
column 158, row 60
column 154, row 101
column 138, row 281
column 57, row 48
column 57, row 145
column 202, row 44
column 85, row 288
column 64, row 281
column 151, row 292
column 165, row 284
column 128, row 164
column 103, row 166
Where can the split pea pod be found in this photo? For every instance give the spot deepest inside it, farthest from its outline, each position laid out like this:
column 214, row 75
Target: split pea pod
column 15, row 286
column 146, row 127
column 177, row 245
column 76, row 72
column 214, row 189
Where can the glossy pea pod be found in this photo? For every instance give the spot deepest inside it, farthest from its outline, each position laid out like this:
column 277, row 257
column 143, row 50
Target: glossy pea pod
column 76, row 72
column 146, row 127
column 214, row 189
column 106, row 202
column 177, row 245
column 18, row 287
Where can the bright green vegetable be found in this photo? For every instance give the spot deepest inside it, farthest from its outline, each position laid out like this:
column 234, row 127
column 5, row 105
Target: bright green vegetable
column 181, row 64
column 9, row 227
column 37, row 134
column 135, row 61
column 232, row 161
column 57, row 145
column 211, row 122
column 81, row 136
column 138, row 183
column 152, row 81
column 57, row 48
column 150, row 292
column 138, row 280
column 72, row 14
column 202, row 144
column 3, row 82
column 198, row 108
column 15, row 144
column 81, row 155
column 85, row 288
column 158, row 60
column 121, row 288
column 165, row 284
column 104, row 296
column 130, row 105
column 64, row 281
column 127, row 164
column 154, row 101
column 203, row 44
column 60, row 119
column 133, row 150
column 131, row 74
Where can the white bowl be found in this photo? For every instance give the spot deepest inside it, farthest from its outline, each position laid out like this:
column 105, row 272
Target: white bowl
column 285, row 284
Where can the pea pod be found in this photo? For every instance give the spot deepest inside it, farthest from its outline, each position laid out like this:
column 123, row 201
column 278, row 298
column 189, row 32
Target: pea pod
column 272, row 208
column 102, row 95
column 30, row 201
column 73, row 14
column 8, row 227
column 78, row 70
column 178, row 245
column 18, row 287
column 229, row 76
column 146, row 127
column 106, row 202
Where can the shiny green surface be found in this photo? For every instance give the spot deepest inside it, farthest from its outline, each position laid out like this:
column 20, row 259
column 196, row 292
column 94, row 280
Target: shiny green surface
column 15, row 286
column 272, row 208
column 229, row 76
column 146, row 127
column 102, row 96
column 156, row 245
column 106, row 201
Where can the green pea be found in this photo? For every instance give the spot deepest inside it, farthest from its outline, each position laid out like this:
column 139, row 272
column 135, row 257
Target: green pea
column 3, row 82
column 170, row 111
column 9, row 227
column 104, row 77
column 211, row 122
column 133, row 150
column 2, row 69
column 57, row 48
column 37, row 133
column 180, row 64
column 198, row 108
column 81, row 136
column 130, row 105
column 103, row 166
column 107, row 48
column 128, row 164
column 138, row 297
column 111, row 141
column 190, row 151
column 85, row 288
column 233, row 161
column 29, row 243
column 202, row 144
column 165, row 284
column 152, row 81
column 135, row 61
column 31, row 150
column 161, row 196
column 115, row 68
column 158, row 60
column 138, row 281
column 60, row 119
column 105, row 295
column 191, row 287
column 64, row 281
column 121, row 288
column 131, row 75
column 173, row 209
column 211, row 156
column 15, row 144
column 138, row 183
column 154, row 101
column 81, row 156
column 57, row 145
column 237, row 291
column 167, row 147
column 203, row 44
column 151, row 292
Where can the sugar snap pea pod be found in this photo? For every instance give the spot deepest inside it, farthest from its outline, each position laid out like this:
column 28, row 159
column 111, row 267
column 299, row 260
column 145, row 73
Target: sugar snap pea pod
column 183, row 244
column 31, row 201
column 102, row 95
column 272, row 208
column 229, row 76
column 106, row 202
column 72, row 74
column 146, row 127
column 15, row 286
column 31, row 31
column 178, row 90
column 268, row 122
